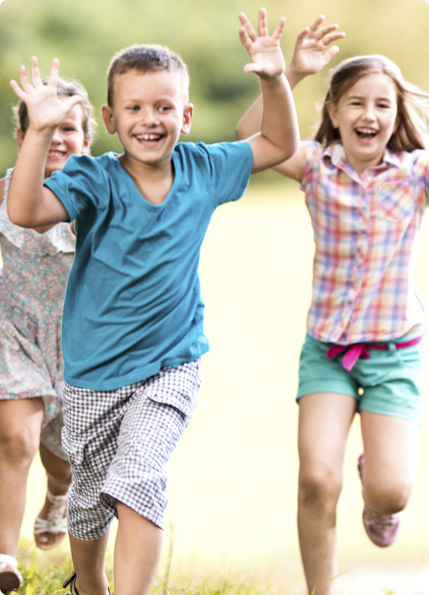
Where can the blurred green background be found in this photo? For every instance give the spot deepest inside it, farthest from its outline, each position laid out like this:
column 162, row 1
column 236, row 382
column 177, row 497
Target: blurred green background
column 84, row 34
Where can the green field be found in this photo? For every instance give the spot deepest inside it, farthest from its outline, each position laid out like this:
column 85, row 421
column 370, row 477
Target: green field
column 233, row 478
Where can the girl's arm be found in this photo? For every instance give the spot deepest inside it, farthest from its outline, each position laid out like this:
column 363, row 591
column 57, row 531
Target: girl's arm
column 309, row 58
column 311, row 53
column 38, row 229
column 30, row 203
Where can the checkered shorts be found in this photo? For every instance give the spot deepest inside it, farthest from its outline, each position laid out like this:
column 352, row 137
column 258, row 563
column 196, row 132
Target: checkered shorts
column 119, row 443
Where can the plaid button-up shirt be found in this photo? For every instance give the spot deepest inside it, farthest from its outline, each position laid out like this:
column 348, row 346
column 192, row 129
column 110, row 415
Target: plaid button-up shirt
column 365, row 231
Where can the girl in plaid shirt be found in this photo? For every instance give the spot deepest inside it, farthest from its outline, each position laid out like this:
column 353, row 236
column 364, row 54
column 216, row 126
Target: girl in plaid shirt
column 366, row 183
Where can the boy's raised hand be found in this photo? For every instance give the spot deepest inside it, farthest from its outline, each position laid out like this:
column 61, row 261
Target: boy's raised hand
column 46, row 110
column 263, row 49
column 309, row 55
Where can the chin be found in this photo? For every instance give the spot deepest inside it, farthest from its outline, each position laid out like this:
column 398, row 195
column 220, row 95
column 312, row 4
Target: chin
column 54, row 167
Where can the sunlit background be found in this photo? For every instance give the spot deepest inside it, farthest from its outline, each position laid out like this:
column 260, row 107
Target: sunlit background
column 233, row 478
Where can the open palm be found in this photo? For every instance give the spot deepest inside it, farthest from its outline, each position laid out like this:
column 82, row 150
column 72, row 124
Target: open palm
column 45, row 108
column 263, row 49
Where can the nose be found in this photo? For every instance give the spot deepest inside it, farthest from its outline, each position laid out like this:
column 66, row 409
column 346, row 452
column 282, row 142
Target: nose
column 369, row 112
column 57, row 138
column 150, row 117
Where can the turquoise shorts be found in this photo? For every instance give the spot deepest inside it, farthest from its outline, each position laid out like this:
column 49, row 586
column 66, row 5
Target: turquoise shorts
column 391, row 382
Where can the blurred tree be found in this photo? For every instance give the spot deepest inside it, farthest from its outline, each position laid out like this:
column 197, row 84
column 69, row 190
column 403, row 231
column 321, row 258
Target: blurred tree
column 84, row 35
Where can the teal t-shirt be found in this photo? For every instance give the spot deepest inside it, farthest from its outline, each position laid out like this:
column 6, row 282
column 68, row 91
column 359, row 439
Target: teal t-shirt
column 133, row 302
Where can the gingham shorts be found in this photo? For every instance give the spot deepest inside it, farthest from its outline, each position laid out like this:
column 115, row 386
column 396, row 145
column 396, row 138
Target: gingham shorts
column 119, row 442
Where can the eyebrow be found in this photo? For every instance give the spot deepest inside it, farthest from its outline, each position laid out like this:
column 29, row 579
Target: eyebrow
column 381, row 98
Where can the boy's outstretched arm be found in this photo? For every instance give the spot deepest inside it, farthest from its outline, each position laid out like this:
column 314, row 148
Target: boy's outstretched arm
column 29, row 203
column 311, row 54
column 278, row 135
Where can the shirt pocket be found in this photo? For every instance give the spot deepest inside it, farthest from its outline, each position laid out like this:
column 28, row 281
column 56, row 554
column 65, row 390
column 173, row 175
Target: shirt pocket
column 396, row 201
column 177, row 387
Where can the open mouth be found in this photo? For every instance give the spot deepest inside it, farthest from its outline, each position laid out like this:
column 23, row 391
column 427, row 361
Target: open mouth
column 366, row 133
column 148, row 137
column 55, row 154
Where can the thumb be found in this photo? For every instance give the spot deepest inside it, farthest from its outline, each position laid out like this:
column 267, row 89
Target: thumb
column 329, row 54
column 252, row 67
column 70, row 102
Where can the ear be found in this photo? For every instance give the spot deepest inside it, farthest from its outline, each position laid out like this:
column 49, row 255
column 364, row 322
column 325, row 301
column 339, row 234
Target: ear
column 19, row 138
column 109, row 122
column 188, row 115
column 86, row 149
column 332, row 111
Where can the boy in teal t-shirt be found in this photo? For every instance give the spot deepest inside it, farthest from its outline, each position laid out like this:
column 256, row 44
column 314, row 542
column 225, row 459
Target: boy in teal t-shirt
column 133, row 318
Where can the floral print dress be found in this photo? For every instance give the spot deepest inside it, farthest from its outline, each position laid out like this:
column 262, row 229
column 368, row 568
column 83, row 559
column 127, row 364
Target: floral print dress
column 32, row 285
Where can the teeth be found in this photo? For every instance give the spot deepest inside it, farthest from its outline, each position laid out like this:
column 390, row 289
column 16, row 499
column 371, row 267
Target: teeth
column 149, row 137
column 366, row 132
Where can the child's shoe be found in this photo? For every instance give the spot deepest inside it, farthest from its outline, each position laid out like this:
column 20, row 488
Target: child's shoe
column 71, row 581
column 55, row 523
column 382, row 529
column 10, row 577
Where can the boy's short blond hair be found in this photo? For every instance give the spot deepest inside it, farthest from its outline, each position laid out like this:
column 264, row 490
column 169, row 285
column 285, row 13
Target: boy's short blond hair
column 146, row 58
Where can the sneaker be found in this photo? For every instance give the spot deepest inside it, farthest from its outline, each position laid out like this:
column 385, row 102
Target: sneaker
column 382, row 529
column 10, row 577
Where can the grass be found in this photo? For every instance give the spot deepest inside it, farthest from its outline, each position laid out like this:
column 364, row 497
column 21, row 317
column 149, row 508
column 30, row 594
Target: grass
column 44, row 573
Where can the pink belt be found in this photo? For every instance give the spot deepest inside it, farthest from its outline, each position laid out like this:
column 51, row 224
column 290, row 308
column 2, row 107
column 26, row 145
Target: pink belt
column 361, row 350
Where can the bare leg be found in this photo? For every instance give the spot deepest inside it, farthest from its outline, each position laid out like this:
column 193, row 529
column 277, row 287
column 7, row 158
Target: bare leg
column 324, row 423
column 58, row 472
column 88, row 561
column 20, row 424
column 391, row 447
column 59, row 479
column 137, row 552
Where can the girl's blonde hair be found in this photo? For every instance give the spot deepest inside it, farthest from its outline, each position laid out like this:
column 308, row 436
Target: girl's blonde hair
column 412, row 103
column 66, row 88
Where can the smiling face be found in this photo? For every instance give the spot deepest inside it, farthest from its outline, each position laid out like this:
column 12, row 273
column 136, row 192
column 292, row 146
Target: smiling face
column 68, row 139
column 149, row 113
column 366, row 117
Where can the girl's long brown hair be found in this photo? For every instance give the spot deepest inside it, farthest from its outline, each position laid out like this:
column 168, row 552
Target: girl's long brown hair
column 412, row 103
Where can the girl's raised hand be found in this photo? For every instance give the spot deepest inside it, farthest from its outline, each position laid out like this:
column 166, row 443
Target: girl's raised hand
column 45, row 109
column 309, row 55
column 263, row 49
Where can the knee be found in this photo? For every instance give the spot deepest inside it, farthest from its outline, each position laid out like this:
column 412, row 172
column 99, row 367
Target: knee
column 319, row 486
column 388, row 497
column 18, row 444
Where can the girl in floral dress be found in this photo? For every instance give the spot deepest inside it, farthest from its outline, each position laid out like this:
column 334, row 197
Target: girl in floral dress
column 35, row 269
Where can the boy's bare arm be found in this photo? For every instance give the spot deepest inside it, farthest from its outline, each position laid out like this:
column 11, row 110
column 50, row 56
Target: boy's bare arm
column 310, row 56
column 278, row 134
column 29, row 203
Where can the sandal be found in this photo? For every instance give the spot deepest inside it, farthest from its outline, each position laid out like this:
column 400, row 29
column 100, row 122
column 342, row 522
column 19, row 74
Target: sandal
column 55, row 523
column 10, row 577
column 71, row 580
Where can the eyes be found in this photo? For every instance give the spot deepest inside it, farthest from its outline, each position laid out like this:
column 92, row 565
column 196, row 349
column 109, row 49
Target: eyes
column 162, row 108
column 383, row 105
